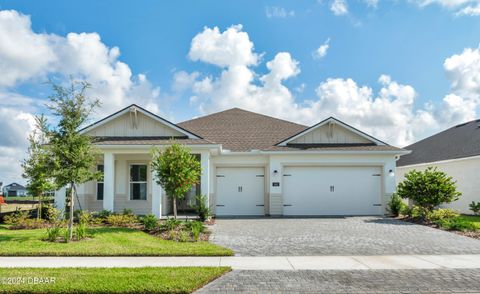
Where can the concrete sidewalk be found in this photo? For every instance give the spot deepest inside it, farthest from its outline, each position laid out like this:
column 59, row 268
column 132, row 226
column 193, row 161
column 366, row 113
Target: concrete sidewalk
column 259, row 263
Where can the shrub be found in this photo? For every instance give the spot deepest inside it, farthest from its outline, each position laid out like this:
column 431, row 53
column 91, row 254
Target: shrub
column 81, row 231
column 442, row 214
column 456, row 224
column 196, row 228
column 395, row 204
column 406, row 210
column 170, row 224
column 419, row 213
column 121, row 220
column 200, row 204
column 429, row 188
column 104, row 213
column 183, row 236
column 66, row 236
column 475, row 207
column 85, row 217
column 50, row 213
column 150, row 222
column 128, row 211
column 20, row 220
column 53, row 233
column 15, row 218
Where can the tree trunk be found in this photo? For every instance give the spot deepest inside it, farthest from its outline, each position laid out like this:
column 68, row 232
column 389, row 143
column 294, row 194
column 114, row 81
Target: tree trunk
column 72, row 201
column 174, row 208
column 39, row 208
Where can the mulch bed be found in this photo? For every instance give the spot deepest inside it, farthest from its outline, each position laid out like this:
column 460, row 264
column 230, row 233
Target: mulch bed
column 471, row 234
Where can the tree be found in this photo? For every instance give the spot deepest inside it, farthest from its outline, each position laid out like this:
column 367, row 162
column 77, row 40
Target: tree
column 429, row 188
column 73, row 155
column 36, row 167
column 176, row 170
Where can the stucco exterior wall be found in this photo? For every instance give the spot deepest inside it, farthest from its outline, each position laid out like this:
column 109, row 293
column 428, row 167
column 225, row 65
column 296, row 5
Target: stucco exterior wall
column 466, row 171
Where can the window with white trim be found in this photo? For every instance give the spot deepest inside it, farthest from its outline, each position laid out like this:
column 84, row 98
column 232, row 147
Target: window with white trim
column 100, row 183
column 138, row 182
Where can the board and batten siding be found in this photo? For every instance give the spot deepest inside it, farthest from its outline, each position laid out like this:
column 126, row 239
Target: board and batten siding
column 322, row 135
column 465, row 171
column 122, row 126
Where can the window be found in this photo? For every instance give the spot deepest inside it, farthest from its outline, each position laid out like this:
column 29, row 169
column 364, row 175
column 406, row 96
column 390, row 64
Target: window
column 100, row 183
column 138, row 182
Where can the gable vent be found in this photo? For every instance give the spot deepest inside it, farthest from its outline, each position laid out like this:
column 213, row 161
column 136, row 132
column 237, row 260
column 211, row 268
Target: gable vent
column 134, row 117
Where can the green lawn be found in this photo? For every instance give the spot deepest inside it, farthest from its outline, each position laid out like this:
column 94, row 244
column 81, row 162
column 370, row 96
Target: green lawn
column 105, row 241
column 109, row 280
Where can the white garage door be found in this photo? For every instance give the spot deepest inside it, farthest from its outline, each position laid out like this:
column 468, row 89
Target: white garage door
column 240, row 191
column 332, row 191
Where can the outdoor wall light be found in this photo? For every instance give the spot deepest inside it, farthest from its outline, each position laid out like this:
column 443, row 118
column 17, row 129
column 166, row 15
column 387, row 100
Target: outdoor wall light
column 390, row 173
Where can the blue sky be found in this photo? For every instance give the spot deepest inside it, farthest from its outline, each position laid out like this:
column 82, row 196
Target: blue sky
column 385, row 69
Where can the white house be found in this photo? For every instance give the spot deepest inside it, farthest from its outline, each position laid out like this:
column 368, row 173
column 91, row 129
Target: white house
column 456, row 151
column 252, row 164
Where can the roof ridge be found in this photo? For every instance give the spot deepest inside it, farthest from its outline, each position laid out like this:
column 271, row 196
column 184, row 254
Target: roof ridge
column 244, row 110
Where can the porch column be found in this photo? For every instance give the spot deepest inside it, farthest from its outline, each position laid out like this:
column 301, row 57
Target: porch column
column 157, row 192
column 60, row 199
column 108, row 180
column 205, row 177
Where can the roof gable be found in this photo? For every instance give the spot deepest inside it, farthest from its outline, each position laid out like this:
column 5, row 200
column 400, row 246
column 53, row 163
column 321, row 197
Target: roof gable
column 134, row 121
column 331, row 131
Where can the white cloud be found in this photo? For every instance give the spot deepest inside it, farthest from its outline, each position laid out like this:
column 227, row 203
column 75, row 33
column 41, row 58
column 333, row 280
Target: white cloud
column 389, row 114
column 232, row 47
column 322, row 50
column 339, row 7
column 278, row 12
column 461, row 7
column 27, row 57
column 469, row 10
column 372, row 3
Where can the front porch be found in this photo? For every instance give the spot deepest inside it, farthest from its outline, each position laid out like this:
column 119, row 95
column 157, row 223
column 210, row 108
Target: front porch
column 128, row 183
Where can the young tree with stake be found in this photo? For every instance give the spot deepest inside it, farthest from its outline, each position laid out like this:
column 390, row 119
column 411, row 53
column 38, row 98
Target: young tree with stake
column 37, row 166
column 73, row 155
column 176, row 170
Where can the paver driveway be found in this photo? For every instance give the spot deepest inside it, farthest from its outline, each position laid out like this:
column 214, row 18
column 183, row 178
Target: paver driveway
column 336, row 236
column 353, row 282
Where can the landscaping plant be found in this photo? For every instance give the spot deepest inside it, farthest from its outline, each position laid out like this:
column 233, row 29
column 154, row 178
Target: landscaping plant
column 149, row 222
column 442, row 214
column 176, row 170
column 71, row 153
column 200, row 204
column 475, row 207
column 428, row 188
column 395, row 205
column 37, row 165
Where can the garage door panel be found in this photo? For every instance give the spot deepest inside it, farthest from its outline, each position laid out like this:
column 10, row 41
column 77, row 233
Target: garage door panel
column 240, row 191
column 332, row 191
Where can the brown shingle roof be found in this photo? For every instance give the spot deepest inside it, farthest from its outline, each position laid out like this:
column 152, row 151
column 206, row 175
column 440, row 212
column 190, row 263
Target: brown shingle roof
column 240, row 130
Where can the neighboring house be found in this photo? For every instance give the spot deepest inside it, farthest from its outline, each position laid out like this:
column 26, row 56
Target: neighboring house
column 14, row 189
column 252, row 164
column 455, row 151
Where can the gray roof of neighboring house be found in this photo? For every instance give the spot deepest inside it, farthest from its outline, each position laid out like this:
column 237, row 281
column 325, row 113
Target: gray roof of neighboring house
column 14, row 187
column 460, row 141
